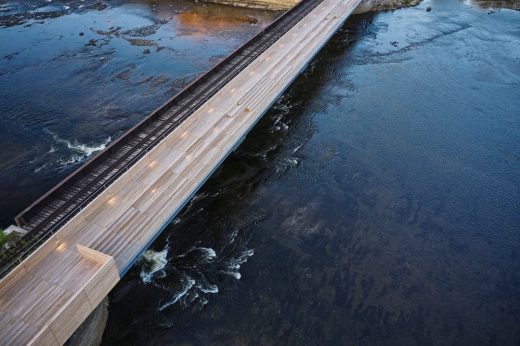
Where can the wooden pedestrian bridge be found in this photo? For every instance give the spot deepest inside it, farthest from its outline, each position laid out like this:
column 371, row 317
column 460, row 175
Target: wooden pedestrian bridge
column 86, row 233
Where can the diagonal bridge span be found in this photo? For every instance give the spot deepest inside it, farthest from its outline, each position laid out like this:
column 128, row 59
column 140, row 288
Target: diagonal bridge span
column 86, row 233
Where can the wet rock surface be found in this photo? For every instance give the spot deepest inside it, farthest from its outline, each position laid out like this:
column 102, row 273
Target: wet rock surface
column 273, row 5
column 384, row 5
column 17, row 13
column 90, row 333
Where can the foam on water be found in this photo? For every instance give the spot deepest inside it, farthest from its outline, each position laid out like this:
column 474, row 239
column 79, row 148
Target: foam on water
column 80, row 148
column 156, row 261
column 65, row 153
column 207, row 254
column 187, row 285
column 234, row 264
column 190, row 285
column 208, row 288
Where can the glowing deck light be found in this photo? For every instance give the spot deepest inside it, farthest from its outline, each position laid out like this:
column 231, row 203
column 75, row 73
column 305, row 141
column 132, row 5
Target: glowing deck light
column 184, row 134
column 232, row 90
column 152, row 164
column 112, row 201
column 153, row 190
column 62, row 247
column 210, row 110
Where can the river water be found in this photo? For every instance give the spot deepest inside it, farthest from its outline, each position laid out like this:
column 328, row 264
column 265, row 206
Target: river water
column 377, row 202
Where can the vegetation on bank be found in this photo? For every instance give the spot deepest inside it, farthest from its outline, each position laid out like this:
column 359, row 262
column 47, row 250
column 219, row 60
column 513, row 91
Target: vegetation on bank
column 3, row 238
column 7, row 238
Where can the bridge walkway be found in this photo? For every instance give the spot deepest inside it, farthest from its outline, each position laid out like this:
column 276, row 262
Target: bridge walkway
column 47, row 297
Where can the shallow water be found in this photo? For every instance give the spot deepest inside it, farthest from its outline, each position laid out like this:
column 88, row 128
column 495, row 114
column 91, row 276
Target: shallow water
column 378, row 202
column 74, row 80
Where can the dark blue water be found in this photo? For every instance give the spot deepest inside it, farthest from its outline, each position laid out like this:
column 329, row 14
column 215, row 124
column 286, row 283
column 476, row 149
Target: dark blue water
column 377, row 203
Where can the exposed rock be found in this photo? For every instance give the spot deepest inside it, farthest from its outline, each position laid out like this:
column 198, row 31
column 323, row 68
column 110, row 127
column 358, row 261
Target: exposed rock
column 365, row 6
column 384, row 5
column 262, row 4
column 90, row 333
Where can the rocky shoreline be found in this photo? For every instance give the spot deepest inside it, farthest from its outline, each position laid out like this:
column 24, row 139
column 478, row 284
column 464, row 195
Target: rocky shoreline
column 272, row 5
column 384, row 5
column 365, row 6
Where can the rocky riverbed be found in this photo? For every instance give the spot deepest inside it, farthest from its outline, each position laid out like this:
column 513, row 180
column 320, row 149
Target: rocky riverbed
column 384, row 5
column 366, row 5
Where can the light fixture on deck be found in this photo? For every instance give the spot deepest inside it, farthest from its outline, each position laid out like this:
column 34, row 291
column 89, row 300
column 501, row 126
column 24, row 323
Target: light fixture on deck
column 112, row 201
column 61, row 247
column 184, row 134
column 152, row 164
column 210, row 110
column 232, row 90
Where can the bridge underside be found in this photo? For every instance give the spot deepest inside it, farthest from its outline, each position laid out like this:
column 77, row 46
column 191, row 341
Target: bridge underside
column 44, row 299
